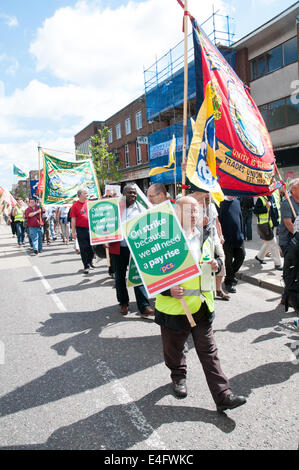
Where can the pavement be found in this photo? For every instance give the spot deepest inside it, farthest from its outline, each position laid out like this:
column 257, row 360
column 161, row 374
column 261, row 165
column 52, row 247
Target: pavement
column 264, row 276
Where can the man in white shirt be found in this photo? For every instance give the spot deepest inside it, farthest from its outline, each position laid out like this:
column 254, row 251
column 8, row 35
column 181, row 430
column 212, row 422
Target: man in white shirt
column 131, row 209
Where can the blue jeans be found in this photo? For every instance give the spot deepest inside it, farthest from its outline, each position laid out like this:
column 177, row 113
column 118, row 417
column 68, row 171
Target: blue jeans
column 36, row 235
column 20, row 232
column 52, row 231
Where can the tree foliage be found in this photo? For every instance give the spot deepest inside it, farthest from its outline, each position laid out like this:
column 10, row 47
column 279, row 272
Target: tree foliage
column 105, row 162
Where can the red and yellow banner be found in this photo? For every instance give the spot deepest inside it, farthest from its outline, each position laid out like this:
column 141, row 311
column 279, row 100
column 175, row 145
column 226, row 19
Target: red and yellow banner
column 243, row 149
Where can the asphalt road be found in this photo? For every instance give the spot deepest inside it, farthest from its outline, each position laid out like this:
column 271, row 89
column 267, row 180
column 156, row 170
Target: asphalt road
column 75, row 374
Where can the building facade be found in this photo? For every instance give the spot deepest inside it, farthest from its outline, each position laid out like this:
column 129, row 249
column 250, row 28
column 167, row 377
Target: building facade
column 267, row 61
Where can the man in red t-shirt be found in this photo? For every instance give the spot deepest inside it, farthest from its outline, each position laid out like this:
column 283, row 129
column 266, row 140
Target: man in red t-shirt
column 34, row 223
column 80, row 229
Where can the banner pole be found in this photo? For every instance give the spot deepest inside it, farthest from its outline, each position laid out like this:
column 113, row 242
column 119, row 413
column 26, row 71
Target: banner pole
column 39, row 198
column 185, row 97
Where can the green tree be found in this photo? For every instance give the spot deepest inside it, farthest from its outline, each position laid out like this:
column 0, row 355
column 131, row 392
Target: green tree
column 22, row 193
column 105, row 162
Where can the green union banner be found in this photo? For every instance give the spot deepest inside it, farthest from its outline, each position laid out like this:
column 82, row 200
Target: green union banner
column 160, row 249
column 63, row 179
column 104, row 221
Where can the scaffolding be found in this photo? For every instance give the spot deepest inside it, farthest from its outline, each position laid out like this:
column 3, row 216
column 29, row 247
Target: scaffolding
column 167, row 70
column 164, row 92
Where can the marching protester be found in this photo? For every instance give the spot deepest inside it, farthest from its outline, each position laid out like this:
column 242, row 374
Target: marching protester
column 247, row 206
column 230, row 218
column 46, row 232
column 268, row 217
column 157, row 193
column 19, row 216
column 174, row 324
column 62, row 216
column 12, row 223
column 286, row 227
column 210, row 215
column 80, row 229
column 121, row 254
column 35, row 224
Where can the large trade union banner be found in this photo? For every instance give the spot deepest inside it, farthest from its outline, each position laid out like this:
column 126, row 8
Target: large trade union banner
column 62, row 180
column 244, row 153
column 159, row 248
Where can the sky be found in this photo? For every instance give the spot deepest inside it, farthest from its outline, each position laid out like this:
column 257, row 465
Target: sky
column 66, row 63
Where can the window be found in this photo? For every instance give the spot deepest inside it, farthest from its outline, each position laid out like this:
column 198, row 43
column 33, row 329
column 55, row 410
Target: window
column 138, row 153
column 290, row 51
column 280, row 113
column 127, row 156
column 128, row 125
column 138, row 117
column 276, row 115
column 110, row 136
column 292, row 111
column 118, row 131
column 274, row 59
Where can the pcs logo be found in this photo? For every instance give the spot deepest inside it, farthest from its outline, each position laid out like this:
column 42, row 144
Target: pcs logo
column 167, row 267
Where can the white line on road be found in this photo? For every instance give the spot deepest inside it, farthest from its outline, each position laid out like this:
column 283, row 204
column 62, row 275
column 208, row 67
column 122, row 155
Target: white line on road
column 49, row 290
column 137, row 418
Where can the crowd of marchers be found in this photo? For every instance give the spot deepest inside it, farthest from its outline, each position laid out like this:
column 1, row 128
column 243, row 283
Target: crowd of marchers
column 217, row 230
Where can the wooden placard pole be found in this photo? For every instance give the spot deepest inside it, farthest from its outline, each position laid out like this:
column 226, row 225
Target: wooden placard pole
column 188, row 314
column 185, row 107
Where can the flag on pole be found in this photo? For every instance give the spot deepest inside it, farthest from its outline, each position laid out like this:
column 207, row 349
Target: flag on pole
column 19, row 173
column 171, row 161
column 243, row 149
column 201, row 161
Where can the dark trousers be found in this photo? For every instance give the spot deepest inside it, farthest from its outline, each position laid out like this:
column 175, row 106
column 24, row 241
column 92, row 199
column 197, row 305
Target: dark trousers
column 20, row 232
column 86, row 250
column 46, row 234
column 206, row 349
column 247, row 220
column 121, row 266
column 234, row 257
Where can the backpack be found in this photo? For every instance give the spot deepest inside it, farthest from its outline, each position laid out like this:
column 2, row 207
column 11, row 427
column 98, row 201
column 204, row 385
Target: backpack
column 291, row 274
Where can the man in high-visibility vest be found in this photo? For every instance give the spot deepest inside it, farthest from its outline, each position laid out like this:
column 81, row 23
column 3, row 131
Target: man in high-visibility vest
column 175, row 328
column 266, row 210
column 18, row 213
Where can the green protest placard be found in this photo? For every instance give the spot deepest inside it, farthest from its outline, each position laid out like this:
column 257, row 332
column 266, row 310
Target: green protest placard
column 160, row 249
column 133, row 276
column 104, row 221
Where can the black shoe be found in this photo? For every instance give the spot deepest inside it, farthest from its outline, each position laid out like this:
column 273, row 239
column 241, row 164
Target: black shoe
column 35, row 252
column 92, row 266
column 278, row 268
column 179, row 388
column 230, row 402
column 86, row 270
column 230, row 288
column 260, row 260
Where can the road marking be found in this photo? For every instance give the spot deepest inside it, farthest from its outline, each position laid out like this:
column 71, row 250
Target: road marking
column 137, row 418
column 49, row 290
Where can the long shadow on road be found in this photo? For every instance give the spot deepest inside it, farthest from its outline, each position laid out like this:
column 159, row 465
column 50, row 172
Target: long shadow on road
column 115, row 426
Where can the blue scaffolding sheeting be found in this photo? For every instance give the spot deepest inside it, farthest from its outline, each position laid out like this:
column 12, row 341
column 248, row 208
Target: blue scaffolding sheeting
column 159, row 144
